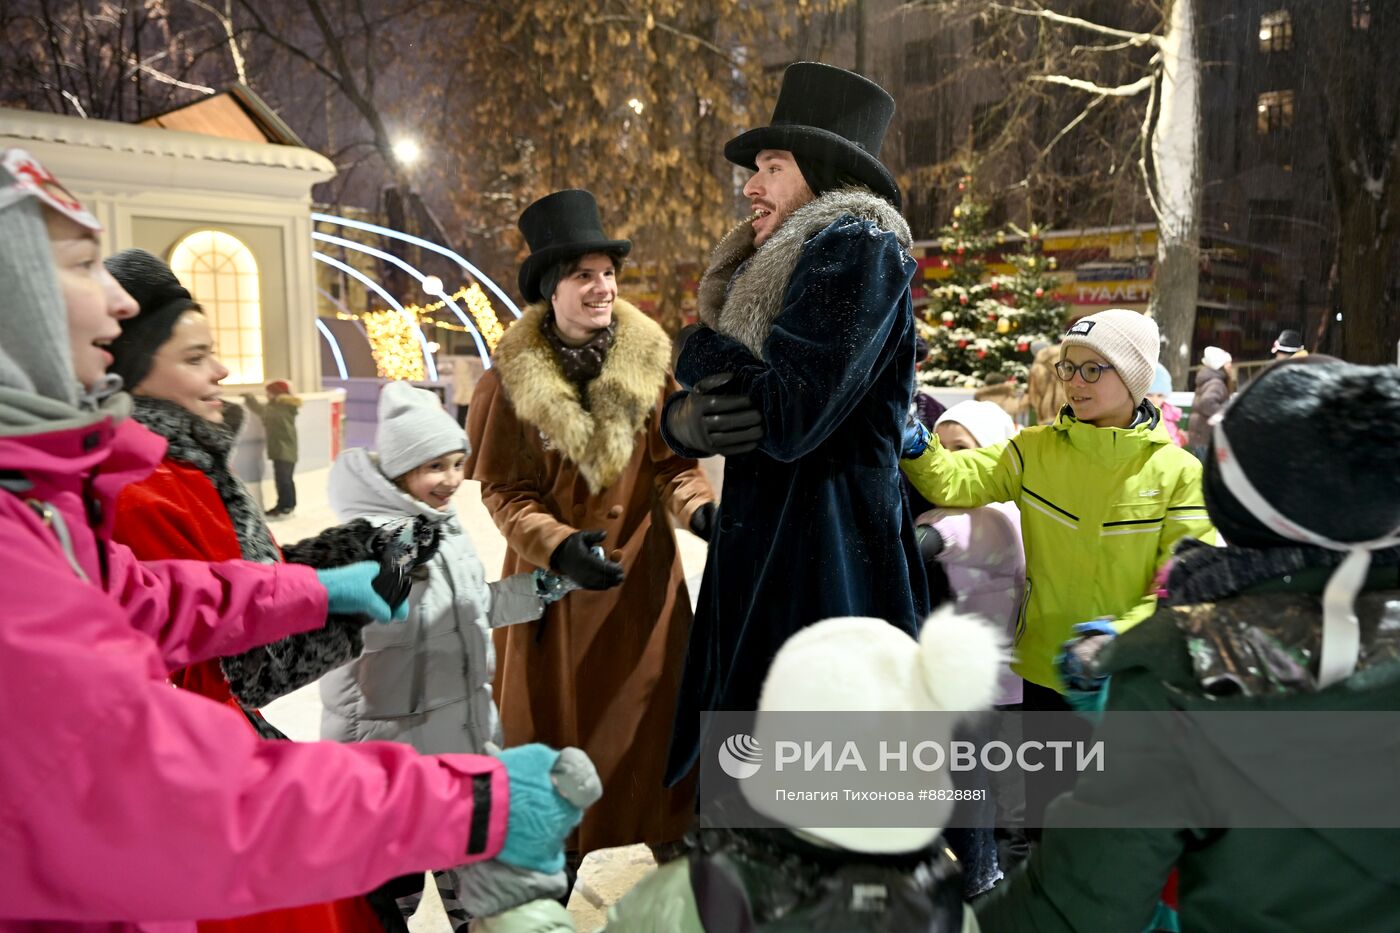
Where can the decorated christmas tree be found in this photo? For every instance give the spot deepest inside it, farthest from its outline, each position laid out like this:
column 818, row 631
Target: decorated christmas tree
column 1033, row 312
column 978, row 325
column 956, row 320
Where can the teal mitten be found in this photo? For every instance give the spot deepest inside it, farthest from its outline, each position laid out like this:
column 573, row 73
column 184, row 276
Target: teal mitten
column 540, row 817
column 350, row 591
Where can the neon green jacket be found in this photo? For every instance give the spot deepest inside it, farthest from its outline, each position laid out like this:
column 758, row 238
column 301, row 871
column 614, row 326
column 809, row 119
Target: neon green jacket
column 1101, row 511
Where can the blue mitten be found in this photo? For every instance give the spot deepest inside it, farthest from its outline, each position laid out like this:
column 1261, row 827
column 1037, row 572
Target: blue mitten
column 539, row 817
column 1076, row 659
column 350, row 591
column 916, row 439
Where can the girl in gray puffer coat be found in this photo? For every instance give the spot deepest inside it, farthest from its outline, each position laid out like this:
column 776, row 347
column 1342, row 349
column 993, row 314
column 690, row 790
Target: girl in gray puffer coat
column 426, row 682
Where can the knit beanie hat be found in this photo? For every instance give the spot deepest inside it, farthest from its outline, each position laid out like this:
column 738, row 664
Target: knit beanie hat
column 162, row 301
column 413, row 429
column 1126, row 339
column 867, row 665
column 987, row 422
column 279, row 387
column 1161, row 381
column 34, row 352
column 1215, row 358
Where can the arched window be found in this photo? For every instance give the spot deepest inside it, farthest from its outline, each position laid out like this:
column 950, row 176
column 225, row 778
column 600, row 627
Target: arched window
column 222, row 275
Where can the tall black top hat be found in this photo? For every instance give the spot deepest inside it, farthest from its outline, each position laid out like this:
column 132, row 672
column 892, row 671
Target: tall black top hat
column 558, row 227
column 830, row 114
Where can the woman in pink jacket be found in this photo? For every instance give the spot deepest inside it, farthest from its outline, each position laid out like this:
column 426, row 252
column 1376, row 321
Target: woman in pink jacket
column 125, row 804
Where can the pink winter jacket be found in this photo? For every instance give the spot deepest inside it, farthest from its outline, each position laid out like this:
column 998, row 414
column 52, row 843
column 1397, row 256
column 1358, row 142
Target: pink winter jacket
column 987, row 570
column 126, row 804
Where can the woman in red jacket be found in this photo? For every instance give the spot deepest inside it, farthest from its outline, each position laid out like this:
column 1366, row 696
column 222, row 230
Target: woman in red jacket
column 193, row 507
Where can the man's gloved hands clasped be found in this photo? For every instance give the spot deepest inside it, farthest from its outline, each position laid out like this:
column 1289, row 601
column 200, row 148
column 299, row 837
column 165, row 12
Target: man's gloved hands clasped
column 579, row 558
column 548, row 793
column 713, row 423
column 350, row 591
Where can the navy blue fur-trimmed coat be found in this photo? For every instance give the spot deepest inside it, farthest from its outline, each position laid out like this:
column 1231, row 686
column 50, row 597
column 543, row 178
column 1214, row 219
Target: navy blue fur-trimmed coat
column 818, row 326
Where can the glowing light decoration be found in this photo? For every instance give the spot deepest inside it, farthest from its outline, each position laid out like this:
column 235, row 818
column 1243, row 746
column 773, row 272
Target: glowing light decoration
column 395, row 347
column 470, row 269
column 335, row 348
column 389, row 299
column 396, row 261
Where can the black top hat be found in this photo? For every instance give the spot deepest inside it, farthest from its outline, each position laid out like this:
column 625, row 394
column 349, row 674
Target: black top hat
column 562, row 226
column 830, row 114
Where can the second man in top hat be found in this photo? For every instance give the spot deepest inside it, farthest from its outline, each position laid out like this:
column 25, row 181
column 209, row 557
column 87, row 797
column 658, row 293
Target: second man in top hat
column 564, row 440
column 808, row 331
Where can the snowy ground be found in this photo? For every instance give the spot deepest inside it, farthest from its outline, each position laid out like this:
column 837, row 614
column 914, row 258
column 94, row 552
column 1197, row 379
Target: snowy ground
column 605, row 875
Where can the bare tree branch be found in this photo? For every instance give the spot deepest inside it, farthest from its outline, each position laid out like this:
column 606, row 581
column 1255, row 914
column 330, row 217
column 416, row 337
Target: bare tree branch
column 225, row 20
column 1122, row 90
column 1139, row 38
column 664, row 27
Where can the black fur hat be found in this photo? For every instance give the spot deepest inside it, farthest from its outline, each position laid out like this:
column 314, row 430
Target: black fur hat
column 1320, row 440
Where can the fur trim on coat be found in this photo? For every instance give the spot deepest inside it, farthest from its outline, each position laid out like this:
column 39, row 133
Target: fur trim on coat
column 742, row 291
column 599, row 439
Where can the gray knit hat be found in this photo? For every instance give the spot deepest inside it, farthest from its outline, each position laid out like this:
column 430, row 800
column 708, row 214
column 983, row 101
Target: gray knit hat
column 34, row 352
column 1127, row 339
column 413, row 429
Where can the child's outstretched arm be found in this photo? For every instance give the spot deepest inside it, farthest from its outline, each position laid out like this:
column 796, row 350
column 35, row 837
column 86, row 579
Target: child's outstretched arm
column 966, row 478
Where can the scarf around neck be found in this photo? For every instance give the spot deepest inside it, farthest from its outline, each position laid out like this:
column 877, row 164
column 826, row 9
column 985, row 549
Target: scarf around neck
column 581, row 365
column 206, row 446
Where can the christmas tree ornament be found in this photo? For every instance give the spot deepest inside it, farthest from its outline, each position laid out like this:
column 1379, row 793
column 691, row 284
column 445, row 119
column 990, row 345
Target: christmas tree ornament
column 962, row 344
column 1022, row 347
column 1040, row 293
column 962, row 299
column 961, row 250
column 1003, row 326
column 981, row 354
column 947, row 317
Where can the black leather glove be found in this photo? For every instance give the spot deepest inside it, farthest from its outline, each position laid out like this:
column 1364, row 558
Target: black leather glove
column 713, row 423
column 702, row 521
column 574, row 558
column 930, row 542
column 401, row 547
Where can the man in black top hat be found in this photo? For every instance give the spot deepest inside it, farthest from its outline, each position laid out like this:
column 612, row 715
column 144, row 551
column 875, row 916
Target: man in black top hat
column 801, row 374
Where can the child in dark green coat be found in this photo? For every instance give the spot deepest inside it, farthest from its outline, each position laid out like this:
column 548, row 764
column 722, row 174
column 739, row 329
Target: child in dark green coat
column 279, row 418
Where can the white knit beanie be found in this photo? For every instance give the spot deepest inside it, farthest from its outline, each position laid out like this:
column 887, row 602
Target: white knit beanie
column 866, row 665
column 413, row 429
column 1215, row 358
column 1126, row 339
column 987, row 422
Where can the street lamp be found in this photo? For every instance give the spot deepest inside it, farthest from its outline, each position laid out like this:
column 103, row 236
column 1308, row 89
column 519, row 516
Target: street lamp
column 406, row 151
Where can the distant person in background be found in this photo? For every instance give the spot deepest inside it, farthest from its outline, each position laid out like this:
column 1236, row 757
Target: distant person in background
column 1044, row 390
column 1214, row 383
column 279, row 418
column 1158, row 394
column 464, row 376
column 1288, row 344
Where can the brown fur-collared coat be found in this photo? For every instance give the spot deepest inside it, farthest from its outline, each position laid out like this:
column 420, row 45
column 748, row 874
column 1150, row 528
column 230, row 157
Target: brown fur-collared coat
column 603, row 673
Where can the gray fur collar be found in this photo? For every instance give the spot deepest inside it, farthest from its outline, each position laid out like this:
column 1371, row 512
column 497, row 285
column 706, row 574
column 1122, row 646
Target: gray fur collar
column 742, row 290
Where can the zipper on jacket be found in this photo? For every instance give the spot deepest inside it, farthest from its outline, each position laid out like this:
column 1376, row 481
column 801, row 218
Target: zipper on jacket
column 1021, row 616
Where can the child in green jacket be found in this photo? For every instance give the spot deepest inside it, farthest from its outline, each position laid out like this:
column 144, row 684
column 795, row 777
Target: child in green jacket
column 279, row 418
column 1104, row 497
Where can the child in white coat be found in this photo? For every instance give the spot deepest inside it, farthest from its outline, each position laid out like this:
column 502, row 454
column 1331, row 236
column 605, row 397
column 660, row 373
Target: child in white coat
column 426, row 682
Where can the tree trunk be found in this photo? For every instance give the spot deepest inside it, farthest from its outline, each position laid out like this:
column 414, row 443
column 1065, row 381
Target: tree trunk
column 1369, row 328
column 1176, row 183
